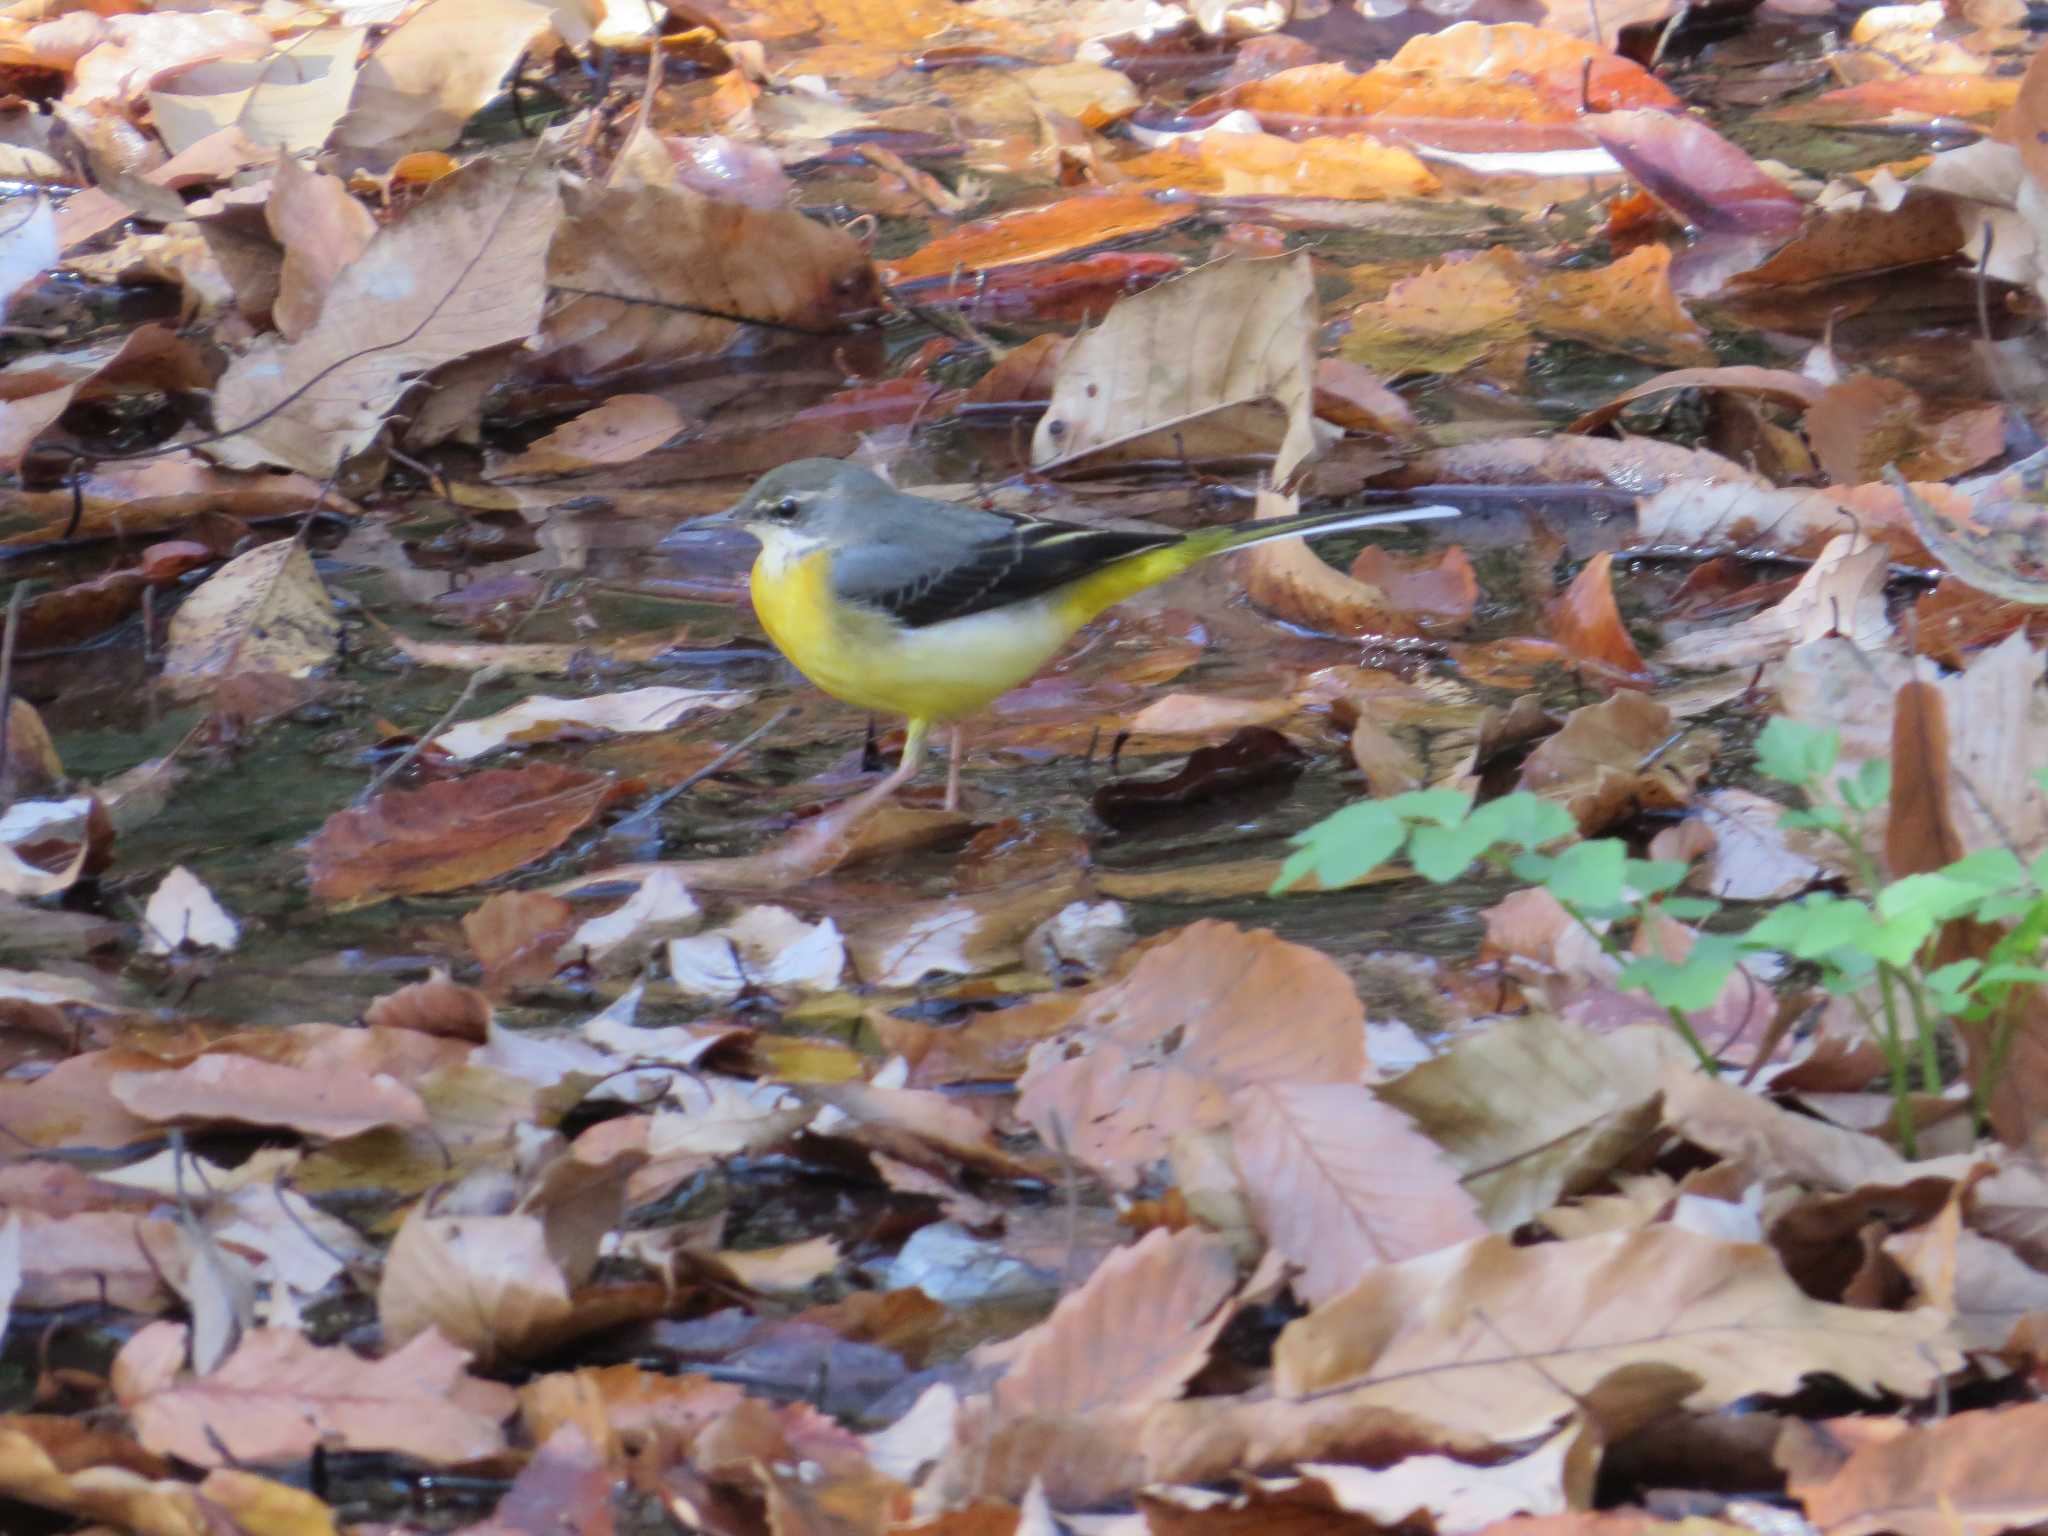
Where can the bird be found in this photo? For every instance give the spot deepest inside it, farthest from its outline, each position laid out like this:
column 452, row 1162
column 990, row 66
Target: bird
column 932, row 610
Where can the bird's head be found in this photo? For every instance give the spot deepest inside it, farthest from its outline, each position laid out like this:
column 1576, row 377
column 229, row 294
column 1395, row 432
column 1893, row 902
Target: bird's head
column 805, row 503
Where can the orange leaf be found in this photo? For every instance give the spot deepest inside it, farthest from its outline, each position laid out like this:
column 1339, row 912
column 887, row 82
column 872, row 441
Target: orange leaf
column 1587, row 622
column 1036, row 234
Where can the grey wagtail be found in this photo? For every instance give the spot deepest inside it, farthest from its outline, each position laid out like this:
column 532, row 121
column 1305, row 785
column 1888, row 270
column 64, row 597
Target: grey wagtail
column 931, row 609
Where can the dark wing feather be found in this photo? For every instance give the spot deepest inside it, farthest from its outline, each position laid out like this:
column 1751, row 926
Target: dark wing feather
column 1021, row 559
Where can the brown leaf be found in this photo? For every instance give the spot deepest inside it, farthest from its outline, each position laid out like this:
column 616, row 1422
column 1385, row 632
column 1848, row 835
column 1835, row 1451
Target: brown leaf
column 1342, row 1182
column 515, row 934
column 436, row 1006
column 1587, row 621
column 1975, row 1473
column 616, row 432
column 488, row 1284
column 1157, row 1053
column 1531, row 1110
column 1868, row 423
column 238, row 1090
column 1843, row 593
column 1708, row 181
column 1920, row 831
column 460, row 273
column 278, row 1396
column 1780, row 386
column 1135, row 1333
column 1502, row 1341
column 450, row 834
column 1438, row 591
column 1844, row 242
column 1291, row 581
column 684, row 276
column 1616, row 758
column 322, row 229
column 1265, row 165
column 1240, row 384
column 1470, row 307
column 435, row 71
column 565, row 1490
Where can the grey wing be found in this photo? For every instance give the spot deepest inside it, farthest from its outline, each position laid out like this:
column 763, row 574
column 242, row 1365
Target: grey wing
column 939, row 572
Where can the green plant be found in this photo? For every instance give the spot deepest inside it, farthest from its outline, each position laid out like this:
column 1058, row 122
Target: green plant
column 1872, row 944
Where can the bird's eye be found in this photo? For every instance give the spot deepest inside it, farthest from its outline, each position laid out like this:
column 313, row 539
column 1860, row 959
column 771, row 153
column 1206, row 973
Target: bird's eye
column 789, row 506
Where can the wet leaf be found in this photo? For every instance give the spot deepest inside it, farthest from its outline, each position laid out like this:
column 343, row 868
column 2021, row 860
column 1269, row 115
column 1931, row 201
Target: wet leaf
column 450, row 834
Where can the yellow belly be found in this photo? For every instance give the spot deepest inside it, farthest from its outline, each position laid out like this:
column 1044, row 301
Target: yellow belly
column 939, row 672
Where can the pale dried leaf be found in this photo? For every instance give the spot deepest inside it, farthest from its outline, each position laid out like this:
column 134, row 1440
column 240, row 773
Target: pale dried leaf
column 1136, row 1332
column 1842, row 593
column 636, row 711
column 264, row 612
column 183, row 911
column 462, row 272
column 1503, row 1341
column 486, row 1283
column 1217, row 364
column 279, row 1396
column 1532, row 1110
column 1341, row 1182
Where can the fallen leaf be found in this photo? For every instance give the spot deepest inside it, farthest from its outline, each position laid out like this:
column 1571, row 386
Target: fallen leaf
column 278, row 1397
column 1036, row 234
column 182, row 911
column 1136, row 1332
column 1290, row 580
column 1246, row 327
column 241, row 1090
column 1157, row 1054
column 543, row 718
column 1842, row 593
column 1586, row 621
column 1974, row 1472
column 1502, row 1341
column 1342, row 1182
column 450, row 834
column 659, row 274
column 322, row 229
column 1533, row 1110
column 764, row 947
column 1868, row 423
column 1266, row 165
column 1780, row 386
column 291, row 99
column 488, row 1285
column 265, row 612
column 1684, row 164
column 1614, row 759
column 616, row 432
column 463, row 271
column 436, row 70
column 1477, row 305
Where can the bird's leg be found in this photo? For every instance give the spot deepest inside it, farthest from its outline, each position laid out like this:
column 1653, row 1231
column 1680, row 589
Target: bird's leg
column 953, row 769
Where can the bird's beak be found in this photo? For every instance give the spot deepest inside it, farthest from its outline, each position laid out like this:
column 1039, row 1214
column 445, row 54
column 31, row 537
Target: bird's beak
column 717, row 530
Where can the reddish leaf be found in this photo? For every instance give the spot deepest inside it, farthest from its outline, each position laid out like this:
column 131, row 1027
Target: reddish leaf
column 450, row 834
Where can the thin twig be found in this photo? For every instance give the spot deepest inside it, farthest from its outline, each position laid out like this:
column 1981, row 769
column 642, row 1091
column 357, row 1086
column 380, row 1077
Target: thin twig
column 7, row 641
column 650, row 807
column 404, row 759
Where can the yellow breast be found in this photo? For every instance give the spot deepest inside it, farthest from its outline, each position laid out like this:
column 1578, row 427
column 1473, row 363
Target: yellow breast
column 939, row 672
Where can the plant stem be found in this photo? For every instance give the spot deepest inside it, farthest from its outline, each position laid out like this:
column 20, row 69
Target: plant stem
column 1895, row 1057
column 1613, row 952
